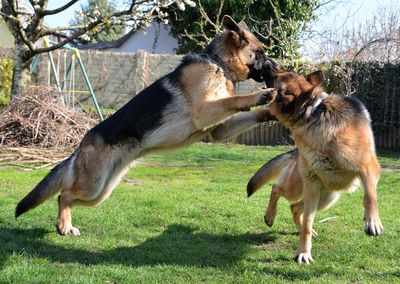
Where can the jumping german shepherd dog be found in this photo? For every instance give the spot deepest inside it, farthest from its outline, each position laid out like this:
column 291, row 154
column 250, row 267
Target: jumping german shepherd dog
column 335, row 148
column 195, row 100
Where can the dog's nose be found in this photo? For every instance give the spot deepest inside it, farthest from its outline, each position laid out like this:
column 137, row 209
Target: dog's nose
column 261, row 56
column 271, row 65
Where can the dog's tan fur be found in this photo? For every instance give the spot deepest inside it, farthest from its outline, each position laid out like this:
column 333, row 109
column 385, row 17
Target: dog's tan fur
column 335, row 147
column 195, row 100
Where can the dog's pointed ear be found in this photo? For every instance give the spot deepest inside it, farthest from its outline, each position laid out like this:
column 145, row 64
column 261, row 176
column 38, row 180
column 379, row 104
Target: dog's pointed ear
column 316, row 78
column 242, row 25
column 230, row 24
column 235, row 33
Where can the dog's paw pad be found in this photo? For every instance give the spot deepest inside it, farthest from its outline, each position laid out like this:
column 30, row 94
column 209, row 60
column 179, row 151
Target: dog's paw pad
column 67, row 229
column 373, row 226
column 304, row 257
column 266, row 96
column 74, row 231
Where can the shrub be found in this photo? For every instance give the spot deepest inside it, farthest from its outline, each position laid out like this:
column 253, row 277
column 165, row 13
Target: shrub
column 6, row 68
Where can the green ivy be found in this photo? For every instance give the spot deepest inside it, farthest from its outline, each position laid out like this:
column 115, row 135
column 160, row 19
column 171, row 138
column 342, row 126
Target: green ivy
column 6, row 68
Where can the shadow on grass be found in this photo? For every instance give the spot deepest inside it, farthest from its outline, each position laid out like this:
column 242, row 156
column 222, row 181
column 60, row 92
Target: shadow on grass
column 177, row 245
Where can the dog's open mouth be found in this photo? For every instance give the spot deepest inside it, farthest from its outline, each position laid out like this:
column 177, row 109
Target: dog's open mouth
column 270, row 65
column 261, row 70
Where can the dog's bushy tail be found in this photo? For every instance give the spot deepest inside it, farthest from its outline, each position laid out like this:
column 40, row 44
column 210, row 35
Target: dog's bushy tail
column 46, row 188
column 270, row 170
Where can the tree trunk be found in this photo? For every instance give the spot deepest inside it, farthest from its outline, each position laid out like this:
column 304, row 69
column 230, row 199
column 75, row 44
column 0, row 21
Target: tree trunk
column 17, row 71
column 22, row 59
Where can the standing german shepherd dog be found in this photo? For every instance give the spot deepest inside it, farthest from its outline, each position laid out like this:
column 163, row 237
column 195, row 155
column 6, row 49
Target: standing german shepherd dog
column 335, row 148
column 195, row 100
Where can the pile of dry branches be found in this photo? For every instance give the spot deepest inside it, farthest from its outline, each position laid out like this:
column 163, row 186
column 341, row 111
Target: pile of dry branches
column 38, row 118
column 31, row 157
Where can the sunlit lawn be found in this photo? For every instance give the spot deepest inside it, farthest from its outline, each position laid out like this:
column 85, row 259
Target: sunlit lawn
column 184, row 217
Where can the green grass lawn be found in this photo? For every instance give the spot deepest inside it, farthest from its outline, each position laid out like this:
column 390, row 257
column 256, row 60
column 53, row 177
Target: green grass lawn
column 184, row 217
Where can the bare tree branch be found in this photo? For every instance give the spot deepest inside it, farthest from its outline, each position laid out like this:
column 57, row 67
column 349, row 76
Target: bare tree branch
column 27, row 27
column 372, row 42
column 58, row 10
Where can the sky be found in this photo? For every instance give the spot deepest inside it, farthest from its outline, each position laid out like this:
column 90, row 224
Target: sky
column 339, row 14
column 359, row 10
column 349, row 13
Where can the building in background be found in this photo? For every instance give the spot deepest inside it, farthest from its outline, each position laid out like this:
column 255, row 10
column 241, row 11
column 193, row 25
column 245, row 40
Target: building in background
column 154, row 39
column 6, row 38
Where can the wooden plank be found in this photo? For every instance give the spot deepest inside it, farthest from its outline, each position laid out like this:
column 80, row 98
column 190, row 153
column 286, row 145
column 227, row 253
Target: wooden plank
column 275, row 135
column 267, row 134
column 255, row 135
column 390, row 137
column 397, row 141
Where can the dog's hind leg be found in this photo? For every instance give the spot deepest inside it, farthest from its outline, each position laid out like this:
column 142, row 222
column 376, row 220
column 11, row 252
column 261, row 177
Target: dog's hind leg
column 370, row 177
column 311, row 195
column 270, row 214
column 297, row 213
column 64, row 221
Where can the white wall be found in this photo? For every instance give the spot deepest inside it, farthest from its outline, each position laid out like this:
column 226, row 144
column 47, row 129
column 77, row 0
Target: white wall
column 154, row 39
column 6, row 38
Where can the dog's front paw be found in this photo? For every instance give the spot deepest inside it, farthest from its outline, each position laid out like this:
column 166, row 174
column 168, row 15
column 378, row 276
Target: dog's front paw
column 373, row 226
column 303, row 257
column 269, row 221
column 266, row 96
column 66, row 228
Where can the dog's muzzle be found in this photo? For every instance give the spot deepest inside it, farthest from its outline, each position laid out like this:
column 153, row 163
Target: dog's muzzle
column 259, row 68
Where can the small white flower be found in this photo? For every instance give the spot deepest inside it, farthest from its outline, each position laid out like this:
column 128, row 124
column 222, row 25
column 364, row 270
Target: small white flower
column 190, row 3
column 181, row 6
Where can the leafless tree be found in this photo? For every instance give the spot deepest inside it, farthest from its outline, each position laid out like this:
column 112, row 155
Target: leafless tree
column 27, row 26
column 377, row 38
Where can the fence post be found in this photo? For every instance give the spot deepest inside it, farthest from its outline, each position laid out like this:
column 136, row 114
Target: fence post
column 141, row 76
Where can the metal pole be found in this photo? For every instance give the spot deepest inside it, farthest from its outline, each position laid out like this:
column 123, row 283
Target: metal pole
column 88, row 84
column 53, row 67
column 66, row 75
column 34, row 63
column 76, row 52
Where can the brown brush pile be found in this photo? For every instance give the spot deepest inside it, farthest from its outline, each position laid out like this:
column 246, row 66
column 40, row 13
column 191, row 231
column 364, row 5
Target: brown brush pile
column 38, row 118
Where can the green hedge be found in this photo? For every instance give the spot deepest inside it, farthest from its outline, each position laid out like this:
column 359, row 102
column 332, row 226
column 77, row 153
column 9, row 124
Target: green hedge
column 6, row 67
column 376, row 84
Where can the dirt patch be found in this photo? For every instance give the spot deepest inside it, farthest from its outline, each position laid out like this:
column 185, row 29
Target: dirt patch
column 272, row 246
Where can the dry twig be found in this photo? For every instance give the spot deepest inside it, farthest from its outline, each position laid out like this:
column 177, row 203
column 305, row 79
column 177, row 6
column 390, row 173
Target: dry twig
column 38, row 118
column 37, row 129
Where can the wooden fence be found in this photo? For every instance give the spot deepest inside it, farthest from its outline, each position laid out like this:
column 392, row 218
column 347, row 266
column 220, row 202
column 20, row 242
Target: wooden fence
column 386, row 137
column 266, row 134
